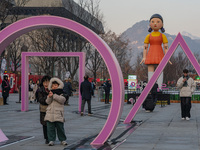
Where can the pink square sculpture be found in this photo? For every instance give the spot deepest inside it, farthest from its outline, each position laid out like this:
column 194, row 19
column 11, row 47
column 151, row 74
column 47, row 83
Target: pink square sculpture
column 25, row 70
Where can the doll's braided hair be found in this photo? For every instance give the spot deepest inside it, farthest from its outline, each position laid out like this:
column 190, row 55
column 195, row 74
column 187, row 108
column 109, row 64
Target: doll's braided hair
column 156, row 16
column 162, row 29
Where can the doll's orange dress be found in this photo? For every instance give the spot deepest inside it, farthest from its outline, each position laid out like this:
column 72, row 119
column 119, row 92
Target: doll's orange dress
column 155, row 53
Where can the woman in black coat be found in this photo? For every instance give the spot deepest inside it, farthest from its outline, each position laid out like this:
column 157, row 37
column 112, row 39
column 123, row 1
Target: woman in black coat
column 107, row 87
column 86, row 93
column 42, row 93
column 5, row 89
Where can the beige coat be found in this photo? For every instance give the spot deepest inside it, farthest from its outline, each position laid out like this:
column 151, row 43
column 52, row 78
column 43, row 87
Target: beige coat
column 55, row 109
column 186, row 91
column 35, row 87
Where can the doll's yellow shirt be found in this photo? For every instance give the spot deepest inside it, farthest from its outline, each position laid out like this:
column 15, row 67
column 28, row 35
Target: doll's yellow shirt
column 146, row 41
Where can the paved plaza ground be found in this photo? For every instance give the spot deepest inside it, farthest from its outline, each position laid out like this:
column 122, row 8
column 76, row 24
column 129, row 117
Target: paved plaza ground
column 161, row 130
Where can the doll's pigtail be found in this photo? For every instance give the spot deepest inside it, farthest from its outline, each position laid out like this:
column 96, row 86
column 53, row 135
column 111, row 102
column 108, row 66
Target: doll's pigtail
column 162, row 30
column 150, row 29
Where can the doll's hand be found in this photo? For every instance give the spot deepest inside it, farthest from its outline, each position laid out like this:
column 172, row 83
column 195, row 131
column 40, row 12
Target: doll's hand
column 143, row 60
column 170, row 62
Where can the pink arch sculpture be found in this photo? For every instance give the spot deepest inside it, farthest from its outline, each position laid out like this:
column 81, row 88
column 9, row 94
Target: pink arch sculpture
column 23, row 26
column 25, row 69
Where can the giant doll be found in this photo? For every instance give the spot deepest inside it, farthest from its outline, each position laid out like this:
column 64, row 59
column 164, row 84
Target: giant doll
column 155, row 39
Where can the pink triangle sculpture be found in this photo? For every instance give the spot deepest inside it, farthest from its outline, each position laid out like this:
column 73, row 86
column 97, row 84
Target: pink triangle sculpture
column 178, row 41
column 2, row 136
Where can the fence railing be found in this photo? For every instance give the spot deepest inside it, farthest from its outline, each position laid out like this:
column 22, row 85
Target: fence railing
column 173, row 91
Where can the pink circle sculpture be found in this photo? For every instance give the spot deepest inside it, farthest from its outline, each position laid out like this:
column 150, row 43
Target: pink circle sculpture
column 23, row 26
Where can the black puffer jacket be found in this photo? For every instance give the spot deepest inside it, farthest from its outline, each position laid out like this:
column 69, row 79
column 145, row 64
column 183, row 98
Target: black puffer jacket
column 42, row 96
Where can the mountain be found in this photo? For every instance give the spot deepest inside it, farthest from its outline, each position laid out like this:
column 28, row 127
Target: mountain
column 137, row 33
column 190, row 35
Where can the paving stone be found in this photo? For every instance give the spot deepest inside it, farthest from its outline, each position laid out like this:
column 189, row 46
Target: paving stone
column 161, row 130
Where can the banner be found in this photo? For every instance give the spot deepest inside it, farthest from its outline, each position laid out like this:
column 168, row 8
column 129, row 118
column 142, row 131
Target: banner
column 132, row 82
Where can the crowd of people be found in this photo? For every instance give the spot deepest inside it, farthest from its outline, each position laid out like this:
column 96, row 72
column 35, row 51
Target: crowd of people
column 52, row 94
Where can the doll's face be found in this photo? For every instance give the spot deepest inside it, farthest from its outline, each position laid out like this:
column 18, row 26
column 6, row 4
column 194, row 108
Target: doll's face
column 156, row 24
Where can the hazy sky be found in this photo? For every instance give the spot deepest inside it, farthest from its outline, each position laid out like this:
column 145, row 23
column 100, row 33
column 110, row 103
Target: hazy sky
column 178, row 15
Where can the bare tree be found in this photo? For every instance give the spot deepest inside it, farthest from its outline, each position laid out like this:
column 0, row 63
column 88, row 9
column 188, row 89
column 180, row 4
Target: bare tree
column 140, row 69
column 16, row 47
column 15, row 13
column 174, row 71
column 89, row 11
column 120, row 49
column 94, row 60
column 127, row 69
column 44, row 40
column 11, row 53
column 68, row 41
column 56, row 40
column 5, row 7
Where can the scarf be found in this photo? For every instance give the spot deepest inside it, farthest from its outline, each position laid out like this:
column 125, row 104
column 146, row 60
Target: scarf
column 57, row 91
column 185, row 84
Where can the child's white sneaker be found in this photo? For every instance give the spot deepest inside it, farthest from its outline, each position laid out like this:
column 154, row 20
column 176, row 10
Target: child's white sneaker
column 187, row 118
column 51, row 143
column 64, row 143
column 183, row 118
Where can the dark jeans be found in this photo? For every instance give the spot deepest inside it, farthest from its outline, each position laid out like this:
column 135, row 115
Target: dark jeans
column 92, row 92
column 45, row 132
column 107, row 95
column 52, row 127
column 67, row 100
column 5, row 99
column 83, row 105
column 185, row 106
